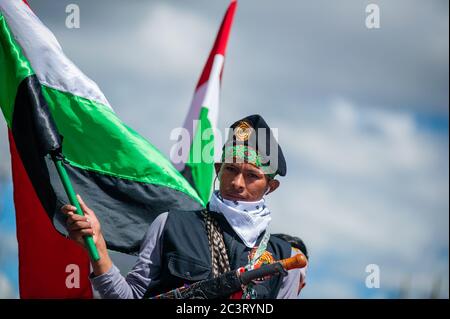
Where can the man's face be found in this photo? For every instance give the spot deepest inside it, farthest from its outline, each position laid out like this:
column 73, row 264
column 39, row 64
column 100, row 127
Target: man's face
column 243, row 182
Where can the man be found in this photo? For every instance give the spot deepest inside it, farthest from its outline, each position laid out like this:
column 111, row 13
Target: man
column 184, row 247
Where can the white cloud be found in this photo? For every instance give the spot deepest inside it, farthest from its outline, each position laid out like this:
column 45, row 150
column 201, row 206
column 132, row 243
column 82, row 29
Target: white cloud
column 370, row 186
column 6, row 289
column 164, row 41
column 173, row 40
column 8, row 242
column 349, row 139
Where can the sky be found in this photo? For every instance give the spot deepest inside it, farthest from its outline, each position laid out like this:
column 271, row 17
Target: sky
column 362, row 118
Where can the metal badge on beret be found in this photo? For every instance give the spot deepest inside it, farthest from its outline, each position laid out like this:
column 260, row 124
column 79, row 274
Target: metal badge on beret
column 243, row 131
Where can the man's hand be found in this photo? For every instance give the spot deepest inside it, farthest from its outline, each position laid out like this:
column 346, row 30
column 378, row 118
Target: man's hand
column 80, row 226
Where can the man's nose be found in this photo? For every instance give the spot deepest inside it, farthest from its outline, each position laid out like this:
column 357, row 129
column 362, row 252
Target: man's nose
column 239, row 182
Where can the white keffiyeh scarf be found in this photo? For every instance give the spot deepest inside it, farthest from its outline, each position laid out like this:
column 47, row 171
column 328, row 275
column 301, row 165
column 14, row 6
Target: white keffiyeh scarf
column 248, row 219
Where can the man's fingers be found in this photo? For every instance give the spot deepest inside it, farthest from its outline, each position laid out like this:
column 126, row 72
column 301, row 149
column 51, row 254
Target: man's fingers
column 77, row 235
column 72, row 219
column 75, row 217
column 83, row 206
column 78, row 225
column 87, row 232
column 66, row 209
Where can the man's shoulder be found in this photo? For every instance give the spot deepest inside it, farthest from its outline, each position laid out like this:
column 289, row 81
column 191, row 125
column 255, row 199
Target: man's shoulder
column 184, row 215
column 282, row 245
column 277, row 240
column 173, row 217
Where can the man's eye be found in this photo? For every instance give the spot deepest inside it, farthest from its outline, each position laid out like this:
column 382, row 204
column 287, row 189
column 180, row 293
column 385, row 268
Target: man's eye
column 230, row 168
column 253, row 175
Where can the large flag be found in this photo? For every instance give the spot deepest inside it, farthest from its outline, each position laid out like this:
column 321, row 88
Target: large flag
column 49, row 105
column 197, row 165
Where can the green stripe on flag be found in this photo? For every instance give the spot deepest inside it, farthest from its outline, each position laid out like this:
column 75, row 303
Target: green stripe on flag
column 202, row 147
column 14, row 67
column 94, row 138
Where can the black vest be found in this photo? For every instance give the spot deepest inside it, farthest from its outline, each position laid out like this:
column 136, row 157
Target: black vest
column 186, row 257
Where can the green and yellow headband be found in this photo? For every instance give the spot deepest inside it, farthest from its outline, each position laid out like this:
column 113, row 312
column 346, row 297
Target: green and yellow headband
column 248, row 155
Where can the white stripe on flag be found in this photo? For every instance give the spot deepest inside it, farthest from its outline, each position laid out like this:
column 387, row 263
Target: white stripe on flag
column 46, row 57
column 206, row 95
column 213, row 92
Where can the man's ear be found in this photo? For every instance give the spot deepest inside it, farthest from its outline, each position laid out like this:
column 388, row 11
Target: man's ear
column 217, row 167
column 273, row 184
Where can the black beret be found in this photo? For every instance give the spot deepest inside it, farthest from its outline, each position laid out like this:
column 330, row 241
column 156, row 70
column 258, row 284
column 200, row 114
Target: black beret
column 254, row 132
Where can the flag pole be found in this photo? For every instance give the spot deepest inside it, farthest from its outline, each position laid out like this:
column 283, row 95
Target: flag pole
column 88, row 240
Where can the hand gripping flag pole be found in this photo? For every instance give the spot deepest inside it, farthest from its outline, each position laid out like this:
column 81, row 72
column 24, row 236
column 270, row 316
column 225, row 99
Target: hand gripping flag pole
column 58, row 159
